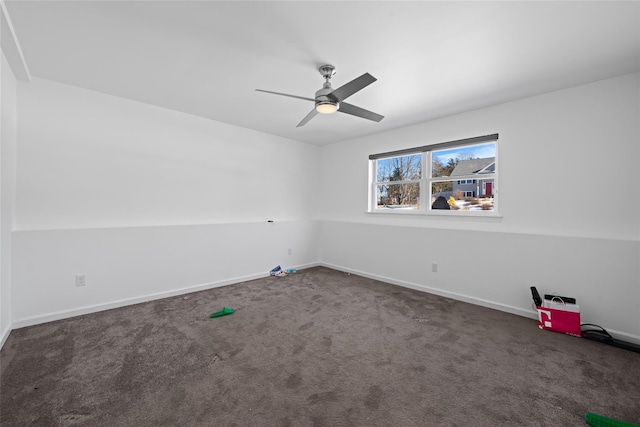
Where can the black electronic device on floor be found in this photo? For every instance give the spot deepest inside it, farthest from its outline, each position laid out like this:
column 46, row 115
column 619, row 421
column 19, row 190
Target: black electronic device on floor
column 536, row 297
column 566, row 300
column 598, row 333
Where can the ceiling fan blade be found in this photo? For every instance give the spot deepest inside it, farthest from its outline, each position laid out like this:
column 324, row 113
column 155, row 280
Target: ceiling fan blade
column 359, row 112
column 308, row 117
column 286, row 94
column 345, row 91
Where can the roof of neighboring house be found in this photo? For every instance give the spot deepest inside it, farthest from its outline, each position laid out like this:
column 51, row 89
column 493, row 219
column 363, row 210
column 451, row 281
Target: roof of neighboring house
column 474, row 166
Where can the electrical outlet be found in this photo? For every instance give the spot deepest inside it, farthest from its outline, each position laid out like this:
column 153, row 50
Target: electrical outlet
column 290, row 251
column 81, row 279
column 434, row 267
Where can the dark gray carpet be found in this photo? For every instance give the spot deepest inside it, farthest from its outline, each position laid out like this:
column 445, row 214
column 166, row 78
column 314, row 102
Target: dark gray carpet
column 316, row 348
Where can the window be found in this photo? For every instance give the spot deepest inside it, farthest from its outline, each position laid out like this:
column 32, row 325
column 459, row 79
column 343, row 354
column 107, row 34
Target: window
column 398, row 182
column 458, row 176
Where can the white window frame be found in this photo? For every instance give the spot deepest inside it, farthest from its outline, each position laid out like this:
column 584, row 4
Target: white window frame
column 426, row 181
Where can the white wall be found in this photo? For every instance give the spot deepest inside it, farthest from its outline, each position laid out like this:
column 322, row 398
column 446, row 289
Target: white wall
column 7, row 190
column 569, row 200
column 147, row 202
column 125, row 265
column 90, row 160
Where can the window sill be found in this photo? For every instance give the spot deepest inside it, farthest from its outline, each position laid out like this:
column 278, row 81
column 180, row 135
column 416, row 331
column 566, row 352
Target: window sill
column 473, row 215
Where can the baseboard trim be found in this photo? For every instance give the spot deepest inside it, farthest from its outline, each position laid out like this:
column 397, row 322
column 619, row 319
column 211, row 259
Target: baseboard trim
column 65, row 314
column 50, row 317
column 453, row 295
column 5, row 335
column 466, row 298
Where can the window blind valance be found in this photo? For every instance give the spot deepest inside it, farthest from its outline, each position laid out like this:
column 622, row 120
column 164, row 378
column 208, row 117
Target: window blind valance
column 434, row 147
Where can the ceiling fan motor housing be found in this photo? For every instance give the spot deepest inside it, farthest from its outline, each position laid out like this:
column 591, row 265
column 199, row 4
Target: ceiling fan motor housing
column 324, row 103
column 322, row 99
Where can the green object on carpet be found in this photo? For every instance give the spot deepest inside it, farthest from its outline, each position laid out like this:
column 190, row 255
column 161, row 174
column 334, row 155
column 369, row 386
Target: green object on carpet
column 595, row 420
column 223, row 312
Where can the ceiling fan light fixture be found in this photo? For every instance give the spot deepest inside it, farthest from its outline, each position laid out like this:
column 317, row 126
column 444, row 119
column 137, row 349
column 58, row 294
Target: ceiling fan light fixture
column 326, row 107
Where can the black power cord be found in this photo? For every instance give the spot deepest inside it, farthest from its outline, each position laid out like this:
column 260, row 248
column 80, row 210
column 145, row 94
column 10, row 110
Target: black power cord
column 600, row 334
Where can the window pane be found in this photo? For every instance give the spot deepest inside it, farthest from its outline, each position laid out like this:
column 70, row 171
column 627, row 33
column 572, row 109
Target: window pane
column 460, row 161
column 476, row 196
column 398, row 196
column 403, row 168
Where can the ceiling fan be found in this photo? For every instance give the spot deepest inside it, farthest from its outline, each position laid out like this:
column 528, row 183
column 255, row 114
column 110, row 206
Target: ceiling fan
column 329, row 100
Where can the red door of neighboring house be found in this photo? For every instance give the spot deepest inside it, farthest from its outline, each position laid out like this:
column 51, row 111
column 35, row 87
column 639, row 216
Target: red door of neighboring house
column 488, row 188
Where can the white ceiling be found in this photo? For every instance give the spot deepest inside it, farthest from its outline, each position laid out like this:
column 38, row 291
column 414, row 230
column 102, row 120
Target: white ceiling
column 431, row 59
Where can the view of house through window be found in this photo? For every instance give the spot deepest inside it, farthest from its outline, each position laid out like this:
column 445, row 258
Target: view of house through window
column 450, row 177
column 465, row 176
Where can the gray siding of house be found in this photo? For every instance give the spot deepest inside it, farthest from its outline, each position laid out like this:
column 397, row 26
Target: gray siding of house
column 471, row 167
column 478, row 188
